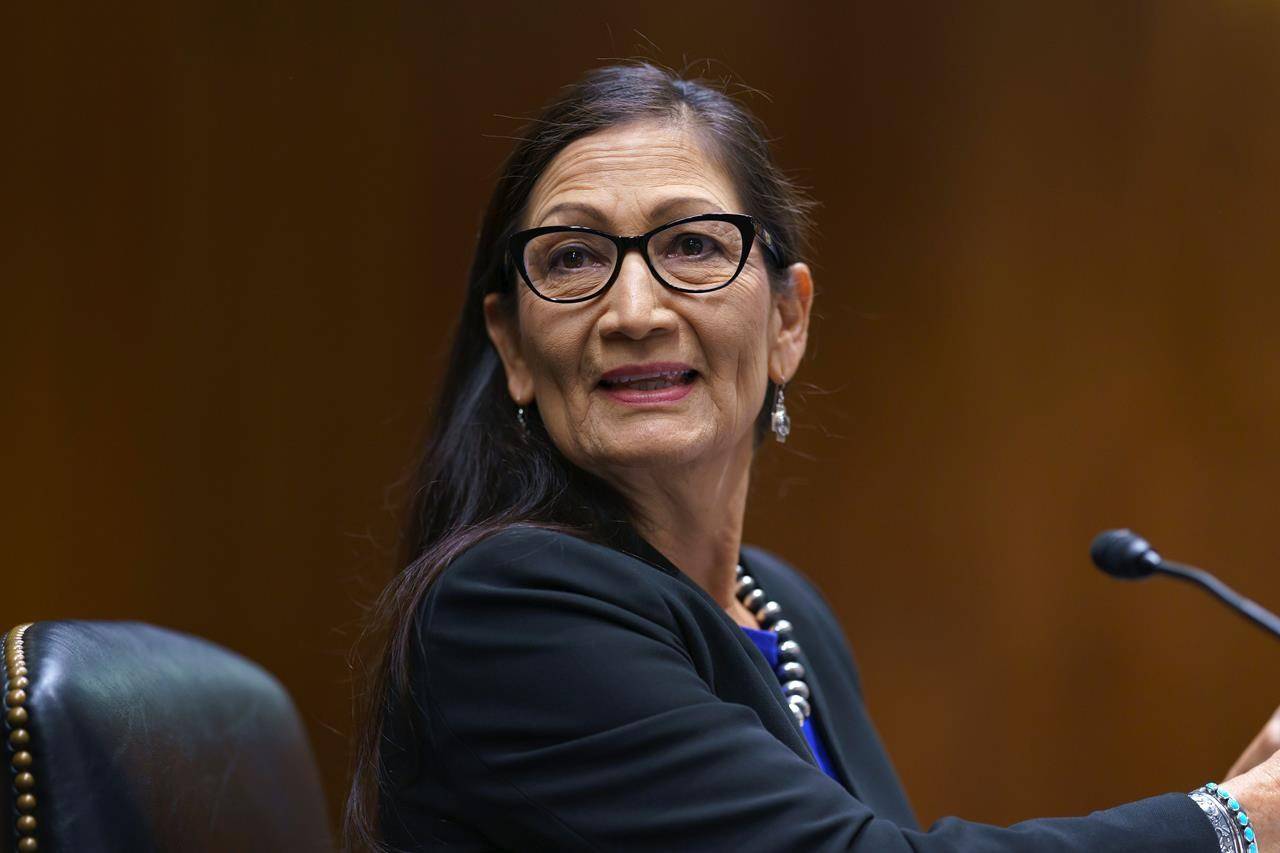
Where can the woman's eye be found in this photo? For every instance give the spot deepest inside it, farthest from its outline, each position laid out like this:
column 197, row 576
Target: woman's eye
column 693, row 246
column 572, row 257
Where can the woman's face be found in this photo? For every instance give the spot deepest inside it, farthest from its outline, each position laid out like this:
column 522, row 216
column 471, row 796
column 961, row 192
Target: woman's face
column 645, row 376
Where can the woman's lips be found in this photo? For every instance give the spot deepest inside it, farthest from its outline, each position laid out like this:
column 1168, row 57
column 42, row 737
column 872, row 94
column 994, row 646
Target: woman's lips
column 663, row 386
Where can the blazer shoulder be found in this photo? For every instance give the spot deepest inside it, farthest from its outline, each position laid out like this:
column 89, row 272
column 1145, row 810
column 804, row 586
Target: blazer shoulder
column 523, row 567
column 529, row 552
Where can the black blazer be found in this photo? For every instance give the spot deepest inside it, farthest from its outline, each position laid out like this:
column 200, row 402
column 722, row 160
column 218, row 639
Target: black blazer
column 576, row 696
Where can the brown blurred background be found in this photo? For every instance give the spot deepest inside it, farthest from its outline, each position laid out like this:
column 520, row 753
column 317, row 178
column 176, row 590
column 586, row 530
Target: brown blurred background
column 237, row 235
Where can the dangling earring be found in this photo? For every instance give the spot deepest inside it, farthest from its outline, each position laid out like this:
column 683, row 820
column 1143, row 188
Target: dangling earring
column 524, row 423
column 780, row 420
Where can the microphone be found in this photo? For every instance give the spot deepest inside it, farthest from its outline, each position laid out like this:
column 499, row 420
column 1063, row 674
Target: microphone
column 1123, row 554
column 1126, row 555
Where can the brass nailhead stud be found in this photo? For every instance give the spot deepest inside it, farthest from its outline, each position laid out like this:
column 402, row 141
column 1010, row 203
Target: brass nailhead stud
column 16, row 717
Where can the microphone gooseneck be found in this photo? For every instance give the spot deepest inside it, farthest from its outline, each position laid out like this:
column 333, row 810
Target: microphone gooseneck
column 1125, row 554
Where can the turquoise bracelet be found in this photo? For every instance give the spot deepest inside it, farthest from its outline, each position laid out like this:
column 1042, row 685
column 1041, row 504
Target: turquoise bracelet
column 1240, row 818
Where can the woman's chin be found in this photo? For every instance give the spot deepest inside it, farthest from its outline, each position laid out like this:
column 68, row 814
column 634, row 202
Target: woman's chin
column 654, row 443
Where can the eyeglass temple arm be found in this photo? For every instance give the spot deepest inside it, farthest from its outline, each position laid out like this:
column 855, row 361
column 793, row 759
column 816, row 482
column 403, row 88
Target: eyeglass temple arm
column 767, row 239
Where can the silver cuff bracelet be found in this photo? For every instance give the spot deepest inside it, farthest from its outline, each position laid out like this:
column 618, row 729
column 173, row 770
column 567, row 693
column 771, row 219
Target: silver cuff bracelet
column 1230, row 839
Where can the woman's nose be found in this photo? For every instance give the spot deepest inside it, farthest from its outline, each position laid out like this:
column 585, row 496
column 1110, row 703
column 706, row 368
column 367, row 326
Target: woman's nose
column 636, row 303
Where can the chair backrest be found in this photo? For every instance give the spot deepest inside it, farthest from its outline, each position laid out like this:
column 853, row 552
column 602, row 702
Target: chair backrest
column 125, row 736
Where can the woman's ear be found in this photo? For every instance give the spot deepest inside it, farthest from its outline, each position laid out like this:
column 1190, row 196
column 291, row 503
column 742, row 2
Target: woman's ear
column 789, row 325
column 500, row 322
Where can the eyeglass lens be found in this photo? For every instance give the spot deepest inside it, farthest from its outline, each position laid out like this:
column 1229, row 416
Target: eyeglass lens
column 692, row 255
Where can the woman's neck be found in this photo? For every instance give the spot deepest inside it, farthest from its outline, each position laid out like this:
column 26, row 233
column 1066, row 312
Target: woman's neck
column 693, row 514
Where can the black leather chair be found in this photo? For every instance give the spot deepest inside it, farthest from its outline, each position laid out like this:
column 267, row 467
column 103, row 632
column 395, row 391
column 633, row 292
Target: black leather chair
column 125, row 736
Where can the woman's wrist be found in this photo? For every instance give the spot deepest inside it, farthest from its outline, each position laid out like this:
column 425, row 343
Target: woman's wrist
column 1258, row 791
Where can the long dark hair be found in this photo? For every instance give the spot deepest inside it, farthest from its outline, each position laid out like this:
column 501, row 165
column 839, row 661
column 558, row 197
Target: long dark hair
column 479, row 471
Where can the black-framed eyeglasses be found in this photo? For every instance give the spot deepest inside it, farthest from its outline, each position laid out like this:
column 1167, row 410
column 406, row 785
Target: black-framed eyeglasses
column 697, row 254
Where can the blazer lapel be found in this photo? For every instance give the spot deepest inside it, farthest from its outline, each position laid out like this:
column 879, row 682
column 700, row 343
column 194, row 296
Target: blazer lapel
column 840, row 716
column 821, row 716
column 626, row 538
column 860, row 763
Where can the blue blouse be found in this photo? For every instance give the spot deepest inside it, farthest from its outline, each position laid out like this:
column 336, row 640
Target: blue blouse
column 767, row 643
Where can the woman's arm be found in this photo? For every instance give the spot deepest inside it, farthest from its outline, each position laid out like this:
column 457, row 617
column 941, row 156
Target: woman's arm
column 567, row 715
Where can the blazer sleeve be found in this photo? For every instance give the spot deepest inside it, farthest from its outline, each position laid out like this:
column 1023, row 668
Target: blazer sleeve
column 565, row 714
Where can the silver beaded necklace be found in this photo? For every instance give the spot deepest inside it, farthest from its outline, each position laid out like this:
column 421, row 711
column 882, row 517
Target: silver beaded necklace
column 789, row 669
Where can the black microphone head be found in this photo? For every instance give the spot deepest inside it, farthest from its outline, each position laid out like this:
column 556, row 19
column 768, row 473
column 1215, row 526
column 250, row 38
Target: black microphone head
column 1123, row 554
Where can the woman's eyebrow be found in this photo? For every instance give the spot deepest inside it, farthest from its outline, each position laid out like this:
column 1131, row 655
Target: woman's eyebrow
column 662, row 208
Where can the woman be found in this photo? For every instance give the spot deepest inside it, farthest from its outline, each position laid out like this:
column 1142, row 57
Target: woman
column 581, row 654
